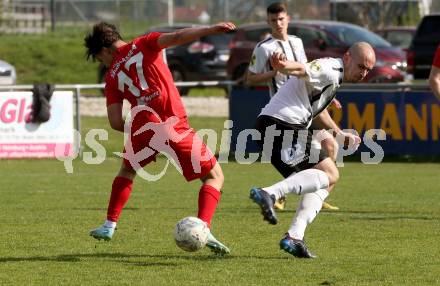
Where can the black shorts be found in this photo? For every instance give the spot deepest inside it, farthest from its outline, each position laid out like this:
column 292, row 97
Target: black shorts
column 290, row 151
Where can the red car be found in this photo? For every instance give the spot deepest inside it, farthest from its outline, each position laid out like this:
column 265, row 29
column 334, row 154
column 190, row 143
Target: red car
column 321, row 39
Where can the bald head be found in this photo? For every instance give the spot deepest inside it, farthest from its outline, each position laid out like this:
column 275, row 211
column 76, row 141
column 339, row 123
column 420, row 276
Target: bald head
column 364, row 50
column 358, row 61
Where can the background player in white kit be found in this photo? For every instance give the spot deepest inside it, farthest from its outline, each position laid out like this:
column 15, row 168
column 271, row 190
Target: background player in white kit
column 290, row 112
column 261, row 71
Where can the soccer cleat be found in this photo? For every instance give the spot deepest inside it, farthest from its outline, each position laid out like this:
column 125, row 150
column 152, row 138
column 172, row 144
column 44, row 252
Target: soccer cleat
column 103, row 232
column 265, row 201
column 280, row 204
column 216, row 246
column 295, row 247
column 327, row 206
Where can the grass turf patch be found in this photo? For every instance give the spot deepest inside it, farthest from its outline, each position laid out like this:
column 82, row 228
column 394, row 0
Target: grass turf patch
column 385, row 233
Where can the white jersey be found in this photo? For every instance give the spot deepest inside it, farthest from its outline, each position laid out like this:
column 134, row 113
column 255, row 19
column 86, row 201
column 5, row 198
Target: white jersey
column 301, row 99
column 293, row 49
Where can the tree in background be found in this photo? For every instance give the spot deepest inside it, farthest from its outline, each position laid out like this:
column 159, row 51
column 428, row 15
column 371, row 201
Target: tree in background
column 377, row 14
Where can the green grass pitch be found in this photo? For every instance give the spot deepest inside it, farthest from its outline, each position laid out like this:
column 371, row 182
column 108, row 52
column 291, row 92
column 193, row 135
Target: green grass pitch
column 386, row 233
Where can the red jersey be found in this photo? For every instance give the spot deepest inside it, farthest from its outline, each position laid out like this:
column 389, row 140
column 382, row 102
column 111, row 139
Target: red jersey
column 139, row 75
column 436, row 62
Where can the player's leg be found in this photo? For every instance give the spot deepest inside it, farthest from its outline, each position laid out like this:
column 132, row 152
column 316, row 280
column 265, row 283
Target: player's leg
column 288, row 158
column 308, row 208
column 209, row 194
column 198, row 162
column 330, row 145
column 300, row 177
column 307, row 181
column 122, row 185
column 121, row 190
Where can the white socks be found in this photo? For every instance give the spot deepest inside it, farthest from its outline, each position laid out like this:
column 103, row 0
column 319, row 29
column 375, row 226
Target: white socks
column 312, row 184
column 110, row 224
column 308, row 207
column 306, row 181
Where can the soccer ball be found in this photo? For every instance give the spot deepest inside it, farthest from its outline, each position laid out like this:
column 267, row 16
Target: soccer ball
column 191, row 234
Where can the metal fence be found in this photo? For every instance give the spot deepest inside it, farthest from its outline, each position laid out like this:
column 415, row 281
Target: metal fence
column 135, row 16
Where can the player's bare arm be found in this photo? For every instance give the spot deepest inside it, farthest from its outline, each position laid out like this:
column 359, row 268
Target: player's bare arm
column 279, row 63
column 253, row 78
column 187, row 35
column 336, row 103
column 325, row 121
column 114, row 113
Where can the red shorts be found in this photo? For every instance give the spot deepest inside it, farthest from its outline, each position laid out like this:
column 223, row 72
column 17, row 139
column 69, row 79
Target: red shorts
column 177, row 140
column 436, row 61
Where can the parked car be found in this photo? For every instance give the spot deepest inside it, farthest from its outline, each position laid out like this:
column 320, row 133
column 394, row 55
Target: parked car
column 423, row 45
column 8, row 76
column 204, row 59
column 321, row 39
column 398, row 36
column 201, row 60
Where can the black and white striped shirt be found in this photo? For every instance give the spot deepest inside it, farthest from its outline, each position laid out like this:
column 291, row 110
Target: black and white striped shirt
column 293, row 49
column 299, row 100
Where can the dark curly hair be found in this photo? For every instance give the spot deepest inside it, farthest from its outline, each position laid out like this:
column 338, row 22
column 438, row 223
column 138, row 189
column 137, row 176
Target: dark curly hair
column 103, row 35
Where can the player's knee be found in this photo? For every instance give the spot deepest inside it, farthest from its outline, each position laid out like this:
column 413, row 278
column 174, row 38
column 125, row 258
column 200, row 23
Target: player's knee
column 218, row 174
column 215, row 177
column 329, row 168
column 323, row 180
column 333, row 174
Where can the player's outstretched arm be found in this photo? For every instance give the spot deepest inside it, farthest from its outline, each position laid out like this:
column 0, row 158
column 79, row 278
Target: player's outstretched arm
column 187, row 35
column 254, row 78
column 325, row 121
column 279, row 63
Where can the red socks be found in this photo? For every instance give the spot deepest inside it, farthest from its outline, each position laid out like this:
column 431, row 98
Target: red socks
column 208, row 200
column 121, row 190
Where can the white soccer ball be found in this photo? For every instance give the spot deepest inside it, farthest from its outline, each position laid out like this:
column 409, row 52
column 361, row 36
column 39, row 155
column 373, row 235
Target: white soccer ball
column 191, row 234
